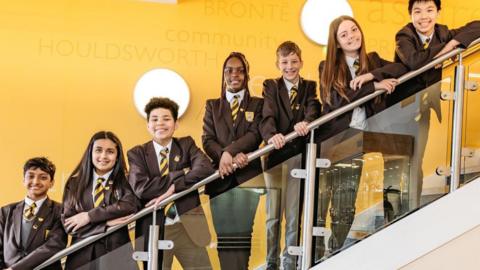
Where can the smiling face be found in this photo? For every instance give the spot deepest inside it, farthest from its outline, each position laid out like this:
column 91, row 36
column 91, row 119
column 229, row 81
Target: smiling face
column 424, row 16
column 290, row 66
column 161, row 125
column 349, row 38
column 104, row 156
column 37, row 183
column 234, row 75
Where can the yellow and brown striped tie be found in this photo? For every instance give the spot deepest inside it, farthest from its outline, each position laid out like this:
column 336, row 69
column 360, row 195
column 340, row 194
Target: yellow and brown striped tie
column 164, row 162
column 356, row 66
column 235, row 105
column 29, row 213
column 426, row 43
column 293, row 96
column 99, row 192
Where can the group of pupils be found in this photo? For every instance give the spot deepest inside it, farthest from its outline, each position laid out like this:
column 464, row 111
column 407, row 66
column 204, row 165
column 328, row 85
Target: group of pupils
column 100, row 192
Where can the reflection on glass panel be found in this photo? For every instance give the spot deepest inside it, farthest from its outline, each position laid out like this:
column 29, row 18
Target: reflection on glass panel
column 426, row 118
column 112, row 252
column 365, row 188
column 471, row 130
column 245, row 226
column 380, row 174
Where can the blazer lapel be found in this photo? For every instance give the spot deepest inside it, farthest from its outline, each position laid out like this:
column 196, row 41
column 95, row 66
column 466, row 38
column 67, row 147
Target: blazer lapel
column 88, row 197
column 226, row 114
column 285, row 100
column 440, row 35
column 17, row 222
column 152, row 159
column 241, row 114
column 418, row 41
column 108, row 192
column 39, row 220
column 175, row 155
column 302, row 86
column 349, row 77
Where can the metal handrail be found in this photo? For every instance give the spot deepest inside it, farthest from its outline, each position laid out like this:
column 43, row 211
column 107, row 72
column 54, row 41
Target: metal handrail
column 472, row 48
column 254, row 155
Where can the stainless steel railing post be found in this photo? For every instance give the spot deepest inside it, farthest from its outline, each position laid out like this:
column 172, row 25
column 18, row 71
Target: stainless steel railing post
column 153, row 243
column 456, row 162
column 309, row 203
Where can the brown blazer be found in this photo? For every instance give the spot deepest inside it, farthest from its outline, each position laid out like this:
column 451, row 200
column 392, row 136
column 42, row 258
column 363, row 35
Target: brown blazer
column 381, row 69
column 278, row 117
column 119, row 202
column 187, row 165
column 221, row 134
column 43, row 242
column 409, row 51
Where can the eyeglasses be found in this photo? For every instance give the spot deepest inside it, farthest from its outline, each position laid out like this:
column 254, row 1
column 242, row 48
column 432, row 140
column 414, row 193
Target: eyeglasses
column 230, row 70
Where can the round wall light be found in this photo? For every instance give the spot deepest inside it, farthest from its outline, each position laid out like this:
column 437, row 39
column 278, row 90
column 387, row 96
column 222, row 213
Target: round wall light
column 317, row 15
column 161, row 83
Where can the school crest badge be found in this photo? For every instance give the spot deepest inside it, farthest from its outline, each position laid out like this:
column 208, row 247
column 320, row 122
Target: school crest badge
column 249, row 116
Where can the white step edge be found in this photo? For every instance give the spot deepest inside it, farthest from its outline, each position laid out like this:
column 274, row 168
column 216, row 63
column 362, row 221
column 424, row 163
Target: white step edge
column 415, row 235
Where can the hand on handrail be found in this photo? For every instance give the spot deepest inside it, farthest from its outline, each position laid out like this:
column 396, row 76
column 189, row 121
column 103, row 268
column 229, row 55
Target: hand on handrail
column 77, row 221
column 119, row 221
column 357, row 83
column 241, row 160
column 301, row 128
column 225, row 166
column 278, row 140
column 162, row 197
column 450, row 46
column 387, row 84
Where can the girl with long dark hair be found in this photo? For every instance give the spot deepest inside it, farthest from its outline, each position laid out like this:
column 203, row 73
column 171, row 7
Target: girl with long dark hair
column 97, row 195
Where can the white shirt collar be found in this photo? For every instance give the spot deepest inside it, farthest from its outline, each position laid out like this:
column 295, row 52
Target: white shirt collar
column 159, row 147
column 229, row 95
column 350, row 61
column 423, row 37
column 289, row 84
column 105, row 176
column 39, row 203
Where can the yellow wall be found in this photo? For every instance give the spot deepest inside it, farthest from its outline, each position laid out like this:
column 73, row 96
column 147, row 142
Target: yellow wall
column 68, row 68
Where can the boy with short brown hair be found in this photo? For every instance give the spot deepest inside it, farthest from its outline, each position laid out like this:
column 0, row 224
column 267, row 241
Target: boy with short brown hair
column 290, row 103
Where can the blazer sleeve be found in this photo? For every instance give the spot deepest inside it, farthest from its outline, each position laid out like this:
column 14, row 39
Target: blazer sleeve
column 408, row 53
column 145, row 187
column 55, row 242
column 312, row 109
column 268, row 126
column 467, row 33
column 3, row 217
column 251, row 139
column 385, row 69
column 124, row 206
column 68, row 211
column 209, row 138
column 201, row 167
